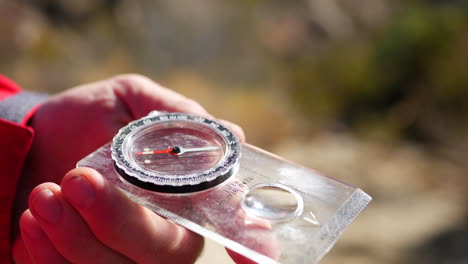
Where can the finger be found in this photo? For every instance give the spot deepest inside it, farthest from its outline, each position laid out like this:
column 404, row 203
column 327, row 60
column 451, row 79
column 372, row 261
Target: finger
column 20, row 252
column 235, row 128
column 142, row 95
column 250, row 231
column 66, row 230
column 126, row 226
column 239, row 259
column 38, row 245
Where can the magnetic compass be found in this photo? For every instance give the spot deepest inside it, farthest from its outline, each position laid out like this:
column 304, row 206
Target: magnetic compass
column 175, row 152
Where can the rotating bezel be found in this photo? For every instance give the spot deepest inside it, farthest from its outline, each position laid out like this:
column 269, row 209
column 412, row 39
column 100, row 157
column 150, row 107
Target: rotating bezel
column 171, row 183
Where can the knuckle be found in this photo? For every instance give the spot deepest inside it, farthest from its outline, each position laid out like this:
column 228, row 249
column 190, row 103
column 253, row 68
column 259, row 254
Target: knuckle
column 132, row 77
column 132, row 80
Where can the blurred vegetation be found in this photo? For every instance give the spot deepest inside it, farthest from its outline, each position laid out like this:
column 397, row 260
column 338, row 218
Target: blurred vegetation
column 358, row 89
column 395, row 69
column 409, row 79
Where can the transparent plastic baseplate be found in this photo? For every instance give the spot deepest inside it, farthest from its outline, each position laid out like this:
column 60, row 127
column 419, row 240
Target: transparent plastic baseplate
column 271, row 210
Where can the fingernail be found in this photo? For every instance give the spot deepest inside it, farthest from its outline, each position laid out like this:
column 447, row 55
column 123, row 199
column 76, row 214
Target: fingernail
column 46, row 205
column 80, row 192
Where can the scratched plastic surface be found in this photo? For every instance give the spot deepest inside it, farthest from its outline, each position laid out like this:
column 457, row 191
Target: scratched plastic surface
column 296, row 224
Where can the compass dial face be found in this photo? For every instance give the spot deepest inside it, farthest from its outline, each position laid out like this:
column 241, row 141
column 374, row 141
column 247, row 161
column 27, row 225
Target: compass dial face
column 161, row 137
column 175, row 153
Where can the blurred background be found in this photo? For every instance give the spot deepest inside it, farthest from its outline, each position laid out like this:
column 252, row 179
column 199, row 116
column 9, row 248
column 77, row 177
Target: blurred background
column 372, row 92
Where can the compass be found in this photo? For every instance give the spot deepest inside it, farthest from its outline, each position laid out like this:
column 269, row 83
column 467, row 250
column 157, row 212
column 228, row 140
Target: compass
column 175, row 152
column 189, row 170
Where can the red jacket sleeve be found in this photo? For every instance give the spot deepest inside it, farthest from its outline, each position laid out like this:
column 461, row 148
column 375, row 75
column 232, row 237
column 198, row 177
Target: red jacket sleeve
column 15, row 142
column 7, row 87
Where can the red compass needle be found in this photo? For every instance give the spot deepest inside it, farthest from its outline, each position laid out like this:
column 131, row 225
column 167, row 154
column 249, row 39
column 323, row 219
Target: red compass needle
column 177, row 150
column 168, row 151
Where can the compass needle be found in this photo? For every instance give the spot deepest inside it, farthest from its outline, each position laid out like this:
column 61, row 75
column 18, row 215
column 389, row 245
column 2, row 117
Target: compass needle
column 203, row 149
column 176, row 152
column 148, row 152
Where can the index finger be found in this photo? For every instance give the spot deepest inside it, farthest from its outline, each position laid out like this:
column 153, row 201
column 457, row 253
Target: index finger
column 142, row 95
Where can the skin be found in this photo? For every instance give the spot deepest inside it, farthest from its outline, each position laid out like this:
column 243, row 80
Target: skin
column 80, row 217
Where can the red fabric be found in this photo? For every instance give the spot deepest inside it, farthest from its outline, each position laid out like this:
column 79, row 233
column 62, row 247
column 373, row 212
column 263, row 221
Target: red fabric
column 7, row 87
column 15, row 142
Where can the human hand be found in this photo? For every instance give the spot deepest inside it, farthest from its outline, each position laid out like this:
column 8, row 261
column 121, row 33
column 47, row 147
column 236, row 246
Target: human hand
column 76, row 122
column 87, row 220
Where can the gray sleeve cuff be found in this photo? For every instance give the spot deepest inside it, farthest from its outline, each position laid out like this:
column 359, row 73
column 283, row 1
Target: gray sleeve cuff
column 15, row 108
